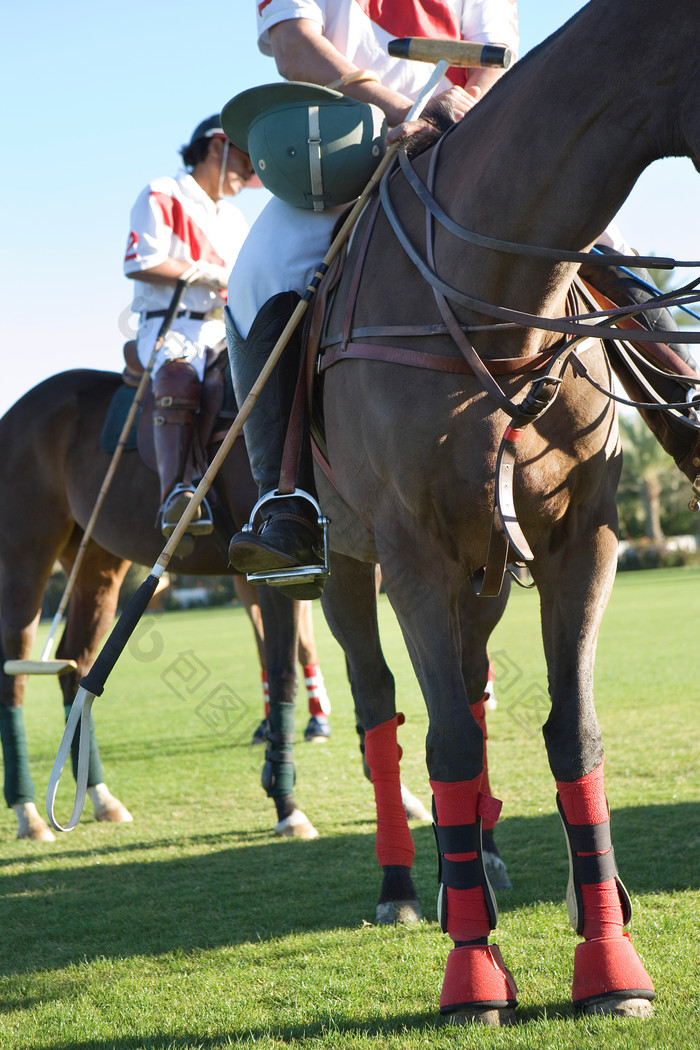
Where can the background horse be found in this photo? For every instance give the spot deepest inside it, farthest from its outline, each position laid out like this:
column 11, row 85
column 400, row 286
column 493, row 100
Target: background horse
column 51, row 471
column 546, row 159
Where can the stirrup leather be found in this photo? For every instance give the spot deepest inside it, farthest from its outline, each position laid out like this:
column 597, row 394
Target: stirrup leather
column 283, row 577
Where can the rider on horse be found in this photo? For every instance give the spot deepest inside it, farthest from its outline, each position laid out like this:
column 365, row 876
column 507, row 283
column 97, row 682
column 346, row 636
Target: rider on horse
column 309, row 43
column 184, row 225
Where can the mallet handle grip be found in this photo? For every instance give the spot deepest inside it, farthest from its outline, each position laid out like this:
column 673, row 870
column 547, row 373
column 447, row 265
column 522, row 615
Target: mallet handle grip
column 455, row 52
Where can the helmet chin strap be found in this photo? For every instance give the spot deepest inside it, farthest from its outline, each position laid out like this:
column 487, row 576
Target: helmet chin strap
column 222, row 168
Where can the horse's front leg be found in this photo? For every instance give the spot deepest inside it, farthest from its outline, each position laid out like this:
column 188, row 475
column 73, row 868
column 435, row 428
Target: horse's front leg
column 91, row 610
column 574, row 587
column 281, row 631
column 350, row 606
column 477, row 985
column 22, row 583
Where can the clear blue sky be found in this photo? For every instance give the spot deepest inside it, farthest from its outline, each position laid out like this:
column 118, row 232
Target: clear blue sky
column 97, row 100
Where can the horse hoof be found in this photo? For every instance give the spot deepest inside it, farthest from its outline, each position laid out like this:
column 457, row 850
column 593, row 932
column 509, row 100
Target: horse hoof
column 260, row 734
column 493, row 1018
column 405, row 912
column 620, row 1008
column 318, row 730
column 30, row 825
column 296, row 826
column 496, row 871
column 114, row 813
column 415, row 810
column 106, row 807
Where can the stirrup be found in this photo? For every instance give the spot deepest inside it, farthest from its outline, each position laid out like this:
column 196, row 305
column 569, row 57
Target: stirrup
column 202, row 526
column 282, row 577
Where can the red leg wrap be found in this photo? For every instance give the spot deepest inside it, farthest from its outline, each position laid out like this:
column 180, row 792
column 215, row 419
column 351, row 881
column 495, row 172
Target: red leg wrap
column 459, row 803
column 605, row 963
column 609, row 966
column 584, row 802
column 476, row 976
column 394, row 844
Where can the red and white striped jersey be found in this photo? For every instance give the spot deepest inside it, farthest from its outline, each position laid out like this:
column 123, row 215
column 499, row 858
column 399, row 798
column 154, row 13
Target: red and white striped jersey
column 362, row 29
column 173, row 218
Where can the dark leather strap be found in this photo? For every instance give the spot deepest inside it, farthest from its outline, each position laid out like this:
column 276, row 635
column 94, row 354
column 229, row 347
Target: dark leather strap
column 403, row 355
column 513, row 247
column 193, row 315
column 580, row 327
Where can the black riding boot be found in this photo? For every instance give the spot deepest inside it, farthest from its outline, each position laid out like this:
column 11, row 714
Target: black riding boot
column 176, row 391
column 289, row 536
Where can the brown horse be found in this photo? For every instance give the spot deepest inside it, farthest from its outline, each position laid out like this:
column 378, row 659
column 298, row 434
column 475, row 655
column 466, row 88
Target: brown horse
column 51, row 470
column 545, row 159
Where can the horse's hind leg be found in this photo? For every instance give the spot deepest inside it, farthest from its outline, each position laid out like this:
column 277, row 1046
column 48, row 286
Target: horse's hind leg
column 478, row 618
column 318, row 728
column 281, row 623
column 319, row 705
column 247, row 594
column 349, row 603
column 91, row 610
column 608, row 974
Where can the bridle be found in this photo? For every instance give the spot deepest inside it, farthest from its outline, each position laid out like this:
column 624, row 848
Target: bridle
column 580, row 328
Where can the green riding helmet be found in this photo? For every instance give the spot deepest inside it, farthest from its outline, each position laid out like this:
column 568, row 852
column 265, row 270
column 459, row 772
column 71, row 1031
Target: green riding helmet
column 310, row 146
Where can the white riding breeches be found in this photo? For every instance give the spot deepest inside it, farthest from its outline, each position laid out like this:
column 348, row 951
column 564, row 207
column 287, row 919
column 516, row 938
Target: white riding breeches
column 280, row 254
column 188, row 339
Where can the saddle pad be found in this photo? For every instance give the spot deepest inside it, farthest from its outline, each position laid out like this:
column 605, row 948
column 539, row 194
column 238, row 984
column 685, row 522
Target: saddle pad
column 116, row 417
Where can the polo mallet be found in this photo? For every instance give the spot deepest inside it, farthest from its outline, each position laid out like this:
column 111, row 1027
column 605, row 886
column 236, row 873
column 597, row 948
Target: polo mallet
column 44, row 665
column 93, row 683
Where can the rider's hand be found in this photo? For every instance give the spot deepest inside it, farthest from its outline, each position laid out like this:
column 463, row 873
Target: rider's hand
column 451, row 104
column 210, row 275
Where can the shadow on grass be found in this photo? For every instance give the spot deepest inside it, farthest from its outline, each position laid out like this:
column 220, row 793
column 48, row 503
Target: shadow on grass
column 234, row 892
column 376, row 1028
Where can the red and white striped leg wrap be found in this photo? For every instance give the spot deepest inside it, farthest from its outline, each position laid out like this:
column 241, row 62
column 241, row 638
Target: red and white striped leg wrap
column 394, row 844
column 490, row 691
column 319, row 704
column 266, row 694
column 475, row 975
column 605, row 964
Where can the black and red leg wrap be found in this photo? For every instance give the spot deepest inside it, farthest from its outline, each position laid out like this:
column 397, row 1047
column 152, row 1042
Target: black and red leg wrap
column 476, row 977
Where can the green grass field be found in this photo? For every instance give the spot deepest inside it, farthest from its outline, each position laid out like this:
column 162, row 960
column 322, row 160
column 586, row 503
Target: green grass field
column 194, row 927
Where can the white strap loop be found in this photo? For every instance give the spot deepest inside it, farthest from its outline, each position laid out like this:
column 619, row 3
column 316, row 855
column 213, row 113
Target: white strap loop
column 79, row 712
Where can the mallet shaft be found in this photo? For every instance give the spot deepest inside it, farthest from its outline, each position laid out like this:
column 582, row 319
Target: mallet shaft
column 456, row 52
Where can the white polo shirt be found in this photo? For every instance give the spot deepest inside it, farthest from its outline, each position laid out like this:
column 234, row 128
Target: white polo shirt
column 173, row 218
column 362, row 29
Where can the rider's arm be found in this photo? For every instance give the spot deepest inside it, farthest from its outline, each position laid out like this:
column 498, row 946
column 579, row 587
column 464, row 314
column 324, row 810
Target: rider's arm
column 302, row 52
column 167, row 272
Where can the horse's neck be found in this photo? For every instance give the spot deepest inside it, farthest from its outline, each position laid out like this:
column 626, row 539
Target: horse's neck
column 550, row 155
